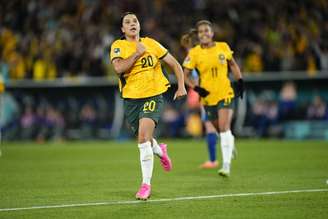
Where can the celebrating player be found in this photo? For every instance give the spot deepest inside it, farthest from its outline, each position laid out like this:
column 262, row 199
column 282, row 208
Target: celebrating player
column 211, row 59
column 188, row 41
column 136, row 60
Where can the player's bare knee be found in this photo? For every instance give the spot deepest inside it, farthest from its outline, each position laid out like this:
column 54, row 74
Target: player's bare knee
column 143, row 137
column 224, row 128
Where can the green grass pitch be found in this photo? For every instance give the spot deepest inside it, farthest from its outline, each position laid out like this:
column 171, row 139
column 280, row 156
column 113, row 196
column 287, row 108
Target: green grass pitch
column 92, row 172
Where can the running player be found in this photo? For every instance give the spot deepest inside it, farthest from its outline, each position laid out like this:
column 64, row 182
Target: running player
column 211, row 59
column 188, row 41
column 136, row 61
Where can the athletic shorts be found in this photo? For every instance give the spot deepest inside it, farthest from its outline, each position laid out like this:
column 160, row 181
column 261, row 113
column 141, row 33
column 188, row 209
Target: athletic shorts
column 150, row 107
column 212, row 111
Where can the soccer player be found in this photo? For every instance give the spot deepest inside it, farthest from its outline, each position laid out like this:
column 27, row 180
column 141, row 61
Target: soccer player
column 136, row 61
column 188, row 41
column 211, row 59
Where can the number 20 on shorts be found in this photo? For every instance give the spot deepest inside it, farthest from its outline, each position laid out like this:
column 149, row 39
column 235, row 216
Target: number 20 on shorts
column 149, row 106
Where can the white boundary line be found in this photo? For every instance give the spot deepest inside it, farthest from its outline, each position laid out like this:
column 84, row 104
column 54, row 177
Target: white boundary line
column 164, row 200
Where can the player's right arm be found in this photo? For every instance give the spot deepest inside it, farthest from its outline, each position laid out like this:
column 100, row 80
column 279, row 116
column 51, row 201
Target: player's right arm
column 122, row 65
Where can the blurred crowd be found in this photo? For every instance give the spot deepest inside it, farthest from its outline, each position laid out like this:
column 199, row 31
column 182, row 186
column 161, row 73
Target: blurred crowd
column 266, row 114
column 269, row 111
column 46, row 39
column 43, row 118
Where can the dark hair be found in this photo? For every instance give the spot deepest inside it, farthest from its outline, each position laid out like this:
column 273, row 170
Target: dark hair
column 125, row 14
column 189, row 39
column 122, row 18
column 203, row 22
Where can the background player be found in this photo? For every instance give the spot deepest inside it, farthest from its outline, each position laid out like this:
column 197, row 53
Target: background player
column 212, row 59
column 188, row 41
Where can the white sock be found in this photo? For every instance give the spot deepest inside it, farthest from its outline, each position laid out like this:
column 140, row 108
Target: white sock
column 146, row 161
column 227, row 141
column 156, row 149
column 232, row 141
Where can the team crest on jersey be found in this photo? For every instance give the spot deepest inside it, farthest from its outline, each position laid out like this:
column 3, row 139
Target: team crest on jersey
column 221, row 58
column 117, row 51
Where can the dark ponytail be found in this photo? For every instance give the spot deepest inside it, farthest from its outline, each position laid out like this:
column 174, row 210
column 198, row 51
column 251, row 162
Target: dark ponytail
column 189, row 39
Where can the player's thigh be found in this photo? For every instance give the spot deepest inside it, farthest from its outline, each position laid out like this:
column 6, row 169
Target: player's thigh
column 225, row 118
column 146, row 129
column 225, row 112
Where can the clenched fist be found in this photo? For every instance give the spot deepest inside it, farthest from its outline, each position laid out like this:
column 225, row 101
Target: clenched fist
column 141, row 49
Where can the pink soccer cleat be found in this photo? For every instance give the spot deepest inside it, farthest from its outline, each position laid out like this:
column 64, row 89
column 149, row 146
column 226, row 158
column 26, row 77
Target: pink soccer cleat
column 165, row 160
column 144, row 192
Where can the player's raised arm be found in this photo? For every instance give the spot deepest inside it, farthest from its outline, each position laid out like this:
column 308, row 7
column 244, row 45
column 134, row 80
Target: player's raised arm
column 176, row 67
column 122, row 65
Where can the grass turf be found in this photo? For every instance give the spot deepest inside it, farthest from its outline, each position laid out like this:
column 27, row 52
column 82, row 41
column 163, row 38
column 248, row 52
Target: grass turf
column 88, row 172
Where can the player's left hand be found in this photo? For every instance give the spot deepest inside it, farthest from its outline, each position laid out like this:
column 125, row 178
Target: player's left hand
column 180, row 93
column 240, row 88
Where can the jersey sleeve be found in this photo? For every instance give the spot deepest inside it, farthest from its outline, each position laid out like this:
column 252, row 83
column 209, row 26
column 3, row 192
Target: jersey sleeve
column 189, row 61
column 116, row 51
column 160, row 50
column 228, row 51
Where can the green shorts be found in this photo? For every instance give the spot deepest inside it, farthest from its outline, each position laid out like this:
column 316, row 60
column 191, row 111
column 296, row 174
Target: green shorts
column 212, row 111
column 150, row 107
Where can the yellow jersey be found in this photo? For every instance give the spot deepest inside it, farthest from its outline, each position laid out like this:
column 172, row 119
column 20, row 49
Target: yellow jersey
column 145, row 78
column 212, row 66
